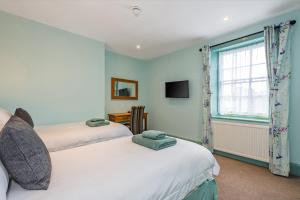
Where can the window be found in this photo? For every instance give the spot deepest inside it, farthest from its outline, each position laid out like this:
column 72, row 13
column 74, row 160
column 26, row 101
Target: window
column 243, row 82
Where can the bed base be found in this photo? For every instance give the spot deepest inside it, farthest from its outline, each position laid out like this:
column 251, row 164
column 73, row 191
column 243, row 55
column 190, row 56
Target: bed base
column 206, row 191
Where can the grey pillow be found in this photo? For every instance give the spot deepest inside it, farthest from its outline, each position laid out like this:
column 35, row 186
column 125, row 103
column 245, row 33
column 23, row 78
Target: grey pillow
column 24, row 155
column 23, row 114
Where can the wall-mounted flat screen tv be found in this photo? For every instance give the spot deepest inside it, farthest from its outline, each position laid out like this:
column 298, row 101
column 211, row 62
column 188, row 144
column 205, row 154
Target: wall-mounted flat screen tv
column 177, row 89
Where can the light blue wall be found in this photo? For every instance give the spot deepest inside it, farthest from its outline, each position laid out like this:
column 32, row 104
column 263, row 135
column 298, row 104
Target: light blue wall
column 182, row 117
column 125, row 67
column 57, row 76
column 179, row 117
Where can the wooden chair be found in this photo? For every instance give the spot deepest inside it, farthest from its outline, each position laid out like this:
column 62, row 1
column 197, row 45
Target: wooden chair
column 136, row 120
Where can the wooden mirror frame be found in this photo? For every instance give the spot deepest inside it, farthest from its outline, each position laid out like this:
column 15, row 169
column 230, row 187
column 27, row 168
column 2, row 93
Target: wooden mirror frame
column 113, row 96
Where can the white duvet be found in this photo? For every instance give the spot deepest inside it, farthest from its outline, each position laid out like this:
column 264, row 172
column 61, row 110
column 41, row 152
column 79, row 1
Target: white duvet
column 121, row 170
column 65, row 136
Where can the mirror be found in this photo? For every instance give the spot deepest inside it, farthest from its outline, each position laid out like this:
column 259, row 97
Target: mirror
column 124, row 89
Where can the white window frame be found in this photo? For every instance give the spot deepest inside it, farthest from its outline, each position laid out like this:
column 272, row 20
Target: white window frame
column 250, row 81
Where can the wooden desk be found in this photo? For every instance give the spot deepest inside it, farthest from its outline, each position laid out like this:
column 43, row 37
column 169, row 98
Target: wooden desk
column 124, row 117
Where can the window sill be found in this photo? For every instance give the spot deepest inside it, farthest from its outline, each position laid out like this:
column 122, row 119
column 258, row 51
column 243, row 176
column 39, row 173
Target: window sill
column 241, row 119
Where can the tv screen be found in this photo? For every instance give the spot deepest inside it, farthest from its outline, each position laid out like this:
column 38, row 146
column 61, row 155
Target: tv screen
column 177, row 89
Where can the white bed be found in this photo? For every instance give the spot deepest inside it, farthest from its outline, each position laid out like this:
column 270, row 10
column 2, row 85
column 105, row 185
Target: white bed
column 121, row 170
column 64, row 136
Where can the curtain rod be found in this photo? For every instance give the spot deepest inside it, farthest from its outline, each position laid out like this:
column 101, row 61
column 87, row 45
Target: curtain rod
column 292, row 22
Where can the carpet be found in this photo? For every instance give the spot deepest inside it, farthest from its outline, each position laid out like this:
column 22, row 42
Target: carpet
column 242, row 181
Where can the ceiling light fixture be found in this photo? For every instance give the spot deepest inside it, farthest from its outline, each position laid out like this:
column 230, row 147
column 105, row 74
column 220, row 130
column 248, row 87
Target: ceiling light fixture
column 138, row 46
column 226, row 18
column 136, row 10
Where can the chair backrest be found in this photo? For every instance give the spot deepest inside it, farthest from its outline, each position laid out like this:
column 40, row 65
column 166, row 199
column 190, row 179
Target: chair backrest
column 136, row 121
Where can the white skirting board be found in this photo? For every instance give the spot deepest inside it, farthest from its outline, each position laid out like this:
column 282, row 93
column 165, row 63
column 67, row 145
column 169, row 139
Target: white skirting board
column 247, row 140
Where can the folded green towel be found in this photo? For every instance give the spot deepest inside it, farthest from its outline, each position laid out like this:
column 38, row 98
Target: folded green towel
column 97, row 120
column 92, row 123
column 154, row 144
column 154, row 135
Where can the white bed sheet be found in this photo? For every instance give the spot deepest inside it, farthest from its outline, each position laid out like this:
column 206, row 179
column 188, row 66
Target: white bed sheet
column 121, row 170
column 65, row 136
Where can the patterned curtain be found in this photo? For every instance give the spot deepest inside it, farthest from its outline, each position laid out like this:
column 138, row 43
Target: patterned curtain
column 207, row 130
column 277, row 55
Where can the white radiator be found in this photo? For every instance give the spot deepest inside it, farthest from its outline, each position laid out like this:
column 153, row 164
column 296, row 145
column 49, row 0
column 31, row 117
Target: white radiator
column 247, row 140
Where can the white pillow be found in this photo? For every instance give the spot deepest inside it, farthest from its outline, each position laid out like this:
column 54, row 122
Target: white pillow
column 1, row 126
column 4, row 116
column 4, row 180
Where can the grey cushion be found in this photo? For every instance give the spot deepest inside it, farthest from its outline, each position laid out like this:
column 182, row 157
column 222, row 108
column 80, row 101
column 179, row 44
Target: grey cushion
column 23, row 114
column 24, row 155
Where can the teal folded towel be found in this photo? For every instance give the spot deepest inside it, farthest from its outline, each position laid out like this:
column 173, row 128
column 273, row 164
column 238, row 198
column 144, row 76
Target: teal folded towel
column 154, row 144
column 154, row 135
column 95, row 122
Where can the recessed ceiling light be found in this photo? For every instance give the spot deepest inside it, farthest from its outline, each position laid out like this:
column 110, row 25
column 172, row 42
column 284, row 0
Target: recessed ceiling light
column 138, row 46
column 226, row 18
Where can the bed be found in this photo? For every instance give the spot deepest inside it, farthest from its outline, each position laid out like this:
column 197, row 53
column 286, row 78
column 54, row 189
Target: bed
column 104, row 163
column 119, row 169
column 69, row 135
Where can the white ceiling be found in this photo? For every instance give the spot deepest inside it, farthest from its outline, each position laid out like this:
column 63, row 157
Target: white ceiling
column 163, row 26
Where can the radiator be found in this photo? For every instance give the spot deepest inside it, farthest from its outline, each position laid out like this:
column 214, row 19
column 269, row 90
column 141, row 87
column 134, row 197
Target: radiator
column 247, row 140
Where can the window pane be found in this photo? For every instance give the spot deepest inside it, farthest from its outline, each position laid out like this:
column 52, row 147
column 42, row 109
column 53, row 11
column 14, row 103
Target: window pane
column 259, row 88
column 226, row 90
column 260, row 106
column 227, row 75
column 242, row 57
column 258, row 55
column 243, row 86
column 259, row 70
column 225, row 105
column 243, row 73
column 244, row 105
column 227, row 61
